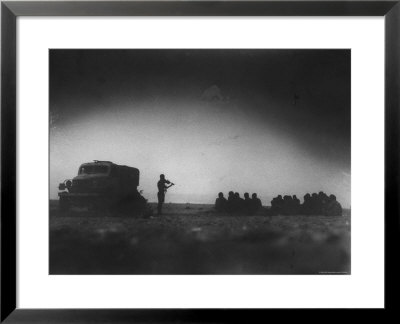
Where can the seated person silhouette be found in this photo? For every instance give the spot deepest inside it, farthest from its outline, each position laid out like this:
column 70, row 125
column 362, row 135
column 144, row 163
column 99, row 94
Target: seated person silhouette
column 296, row 205
column 221, row 203
column 314, row 204
column 238, row 203
column 287, row 205
column 333, row 207
column 277, row 205
column 231, row 202
column 306, row 207
column 322, row 202
column 247, row 204
column 256, row 203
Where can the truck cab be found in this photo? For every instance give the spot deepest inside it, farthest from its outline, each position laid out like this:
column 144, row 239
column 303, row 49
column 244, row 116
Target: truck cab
column 99, row 185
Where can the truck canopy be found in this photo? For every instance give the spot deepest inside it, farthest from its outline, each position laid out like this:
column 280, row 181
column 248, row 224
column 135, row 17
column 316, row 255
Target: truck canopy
column 109, row 168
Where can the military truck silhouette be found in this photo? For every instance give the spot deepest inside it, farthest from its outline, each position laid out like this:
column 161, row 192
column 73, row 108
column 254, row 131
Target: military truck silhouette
column 103, row 185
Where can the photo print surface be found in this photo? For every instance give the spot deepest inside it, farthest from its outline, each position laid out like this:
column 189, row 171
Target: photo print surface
column 200, row 161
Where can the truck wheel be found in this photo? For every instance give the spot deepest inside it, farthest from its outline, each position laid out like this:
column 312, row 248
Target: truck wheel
column 63, row 205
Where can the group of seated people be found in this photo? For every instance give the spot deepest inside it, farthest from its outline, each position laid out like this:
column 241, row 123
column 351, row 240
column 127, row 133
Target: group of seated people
column 315, row 204
column 236, row 204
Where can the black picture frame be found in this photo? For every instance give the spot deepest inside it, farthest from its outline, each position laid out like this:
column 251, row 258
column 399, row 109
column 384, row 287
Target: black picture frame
column 10, row 10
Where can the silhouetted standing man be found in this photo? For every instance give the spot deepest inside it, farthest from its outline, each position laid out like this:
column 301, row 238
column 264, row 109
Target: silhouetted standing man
column 162, row 189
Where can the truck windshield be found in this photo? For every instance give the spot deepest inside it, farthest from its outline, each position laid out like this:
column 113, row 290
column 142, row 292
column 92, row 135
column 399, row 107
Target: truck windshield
column 93, row 169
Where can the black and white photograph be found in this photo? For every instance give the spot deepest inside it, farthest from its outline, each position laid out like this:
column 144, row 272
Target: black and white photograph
column 200, row 161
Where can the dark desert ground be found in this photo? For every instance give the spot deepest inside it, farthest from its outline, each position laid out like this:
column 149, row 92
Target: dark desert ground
column 194, row 239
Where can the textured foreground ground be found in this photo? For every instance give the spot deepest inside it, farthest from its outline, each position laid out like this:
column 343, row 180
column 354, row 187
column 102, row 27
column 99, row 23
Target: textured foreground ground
column 192, row 239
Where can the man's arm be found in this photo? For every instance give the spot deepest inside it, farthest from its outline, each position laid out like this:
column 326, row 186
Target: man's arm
column 166, row 187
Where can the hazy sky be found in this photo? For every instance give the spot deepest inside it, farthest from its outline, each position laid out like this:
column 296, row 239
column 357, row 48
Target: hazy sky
column 211, row 120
